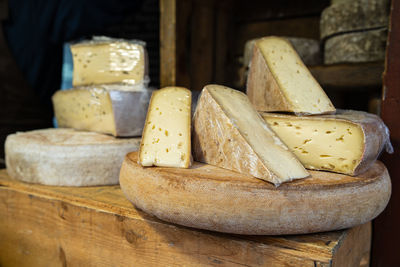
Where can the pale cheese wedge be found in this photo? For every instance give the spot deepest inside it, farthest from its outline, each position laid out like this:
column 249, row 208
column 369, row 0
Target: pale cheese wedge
column 166, row 136
column 279, row 81
column 348, row 142
column 96, row 109
column 229, row 133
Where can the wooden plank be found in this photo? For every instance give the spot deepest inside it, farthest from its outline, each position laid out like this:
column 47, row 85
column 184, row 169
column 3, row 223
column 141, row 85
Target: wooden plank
column 386, row 230
column 97, row 226
column 354, row 76
column 167, row 42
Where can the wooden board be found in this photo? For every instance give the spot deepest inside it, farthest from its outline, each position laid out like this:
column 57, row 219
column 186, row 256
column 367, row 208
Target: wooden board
column 212, row 198
column 97, row 226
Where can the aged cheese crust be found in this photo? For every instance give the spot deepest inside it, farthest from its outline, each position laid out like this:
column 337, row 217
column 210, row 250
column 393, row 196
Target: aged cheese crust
column 217, row 140
column 65, row 157
column 348, row 142
column 166, row 139
column 98, row 109
column 212, row 198
column 285, row 86
column 354, row 16
column 365, row 46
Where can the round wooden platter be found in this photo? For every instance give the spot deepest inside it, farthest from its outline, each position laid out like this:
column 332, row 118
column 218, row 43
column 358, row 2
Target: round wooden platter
column 212, row 198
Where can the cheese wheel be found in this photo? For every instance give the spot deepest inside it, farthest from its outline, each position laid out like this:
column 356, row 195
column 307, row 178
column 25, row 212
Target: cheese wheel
column 366, row 46
column 212, row 198
column 66, row 157
column 351, row 16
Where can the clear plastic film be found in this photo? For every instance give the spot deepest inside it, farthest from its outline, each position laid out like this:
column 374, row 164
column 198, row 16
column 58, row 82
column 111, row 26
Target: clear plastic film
column 105, row 60
column 348, row 142
column 99, row 108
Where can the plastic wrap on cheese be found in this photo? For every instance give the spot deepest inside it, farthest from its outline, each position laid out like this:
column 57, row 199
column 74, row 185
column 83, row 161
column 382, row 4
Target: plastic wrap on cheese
column 101, row 109
column 104, row 60
column 348, row 142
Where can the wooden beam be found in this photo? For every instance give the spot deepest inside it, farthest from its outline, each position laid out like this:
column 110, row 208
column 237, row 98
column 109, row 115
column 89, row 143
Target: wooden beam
column 168, row 42
column 386, row 227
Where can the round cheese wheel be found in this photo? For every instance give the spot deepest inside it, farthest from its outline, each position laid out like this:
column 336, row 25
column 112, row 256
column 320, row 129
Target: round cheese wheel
column 66, row 157
column 212, row 198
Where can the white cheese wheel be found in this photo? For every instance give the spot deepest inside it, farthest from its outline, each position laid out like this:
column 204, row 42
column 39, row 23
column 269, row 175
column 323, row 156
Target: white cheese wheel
column 66, row 157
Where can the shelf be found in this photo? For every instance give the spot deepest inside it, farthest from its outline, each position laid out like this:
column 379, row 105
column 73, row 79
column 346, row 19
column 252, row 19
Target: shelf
column 365, row 75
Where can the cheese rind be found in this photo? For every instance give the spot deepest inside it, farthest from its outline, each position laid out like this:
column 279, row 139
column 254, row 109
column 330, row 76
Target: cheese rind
column 279, row 81
column 166, row 139
column 120, row 113
column 109, row 61
column 365, row 46
column 348, row 142
column 353, row 16
column 66, row 157
column 229, row 133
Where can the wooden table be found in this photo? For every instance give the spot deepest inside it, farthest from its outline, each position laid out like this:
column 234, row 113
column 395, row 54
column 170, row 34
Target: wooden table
column 98, row 226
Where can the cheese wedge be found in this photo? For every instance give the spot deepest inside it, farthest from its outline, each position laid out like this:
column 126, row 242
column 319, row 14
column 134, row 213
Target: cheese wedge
column 348, row 142
column 120, row 113
column 229, row 133
column 279, row 81
column 66, row 157
column 109, row 61
column 166, row 136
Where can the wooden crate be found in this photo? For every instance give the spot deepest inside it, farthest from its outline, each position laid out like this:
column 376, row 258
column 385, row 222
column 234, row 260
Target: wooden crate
column 98, row 226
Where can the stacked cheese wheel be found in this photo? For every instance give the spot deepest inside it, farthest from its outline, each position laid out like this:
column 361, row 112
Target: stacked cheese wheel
column 241, row 137
column 109, row 101
column 355, row 31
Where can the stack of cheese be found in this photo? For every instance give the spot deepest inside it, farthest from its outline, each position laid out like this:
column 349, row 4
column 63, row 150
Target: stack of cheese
column 354, row 30
column 344, row 141
column 110, row 97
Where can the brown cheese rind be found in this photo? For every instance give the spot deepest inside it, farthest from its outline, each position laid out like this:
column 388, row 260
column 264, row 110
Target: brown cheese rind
column 217, row 140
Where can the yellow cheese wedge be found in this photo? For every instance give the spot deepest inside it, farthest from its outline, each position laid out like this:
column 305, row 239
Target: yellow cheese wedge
column 166, row 136
column 279, row 81
column 229, row 133
column 109, row 61
column 348, row 142
column 96, row 109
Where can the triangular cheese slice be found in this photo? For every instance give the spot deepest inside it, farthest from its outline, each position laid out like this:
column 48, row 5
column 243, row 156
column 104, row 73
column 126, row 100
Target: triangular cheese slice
column 279, row 81
column 229, row 133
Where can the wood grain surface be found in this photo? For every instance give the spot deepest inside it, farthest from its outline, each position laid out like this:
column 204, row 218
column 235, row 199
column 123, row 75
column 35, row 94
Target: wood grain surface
column 212, row 198
column 97, row 226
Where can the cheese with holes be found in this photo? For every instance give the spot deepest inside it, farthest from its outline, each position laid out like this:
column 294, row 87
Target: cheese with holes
column 348, row 142
column 166, row 137
column 279, row 81
column 120, row 113
column 229, row 133
column 66, row 157
column 109, row 60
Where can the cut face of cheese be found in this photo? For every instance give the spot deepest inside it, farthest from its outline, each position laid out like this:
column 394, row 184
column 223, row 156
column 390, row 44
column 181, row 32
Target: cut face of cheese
column 109, row 61
column 229, row 133
column 120, row 113
column 348, row 142
column 166, row 136
column 279, row 81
